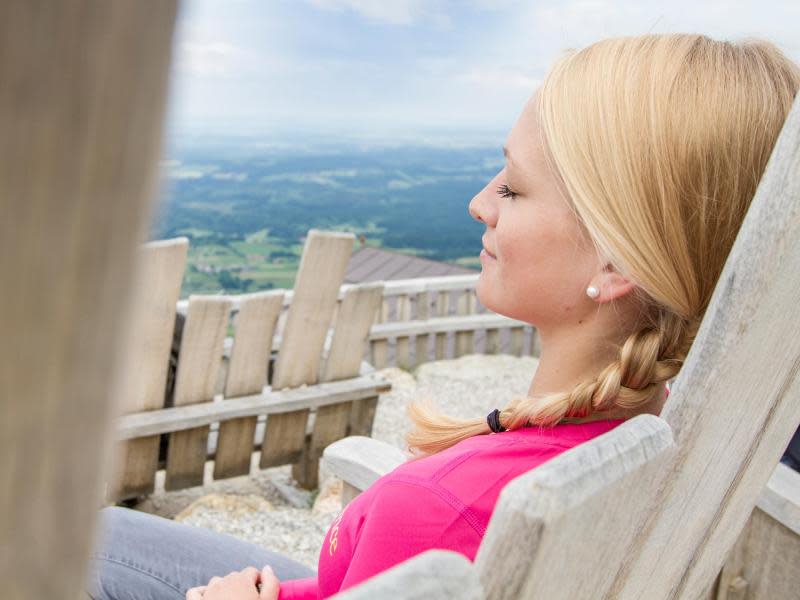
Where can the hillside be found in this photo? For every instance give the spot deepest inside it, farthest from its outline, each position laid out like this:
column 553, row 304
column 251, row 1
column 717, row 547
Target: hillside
column 246, row 207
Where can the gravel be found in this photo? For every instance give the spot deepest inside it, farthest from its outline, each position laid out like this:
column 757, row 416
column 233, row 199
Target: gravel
column 268, row 509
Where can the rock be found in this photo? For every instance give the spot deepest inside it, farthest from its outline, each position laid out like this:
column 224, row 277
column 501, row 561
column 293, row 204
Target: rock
column 329, row 499
column 233, row 506
column 293, row 495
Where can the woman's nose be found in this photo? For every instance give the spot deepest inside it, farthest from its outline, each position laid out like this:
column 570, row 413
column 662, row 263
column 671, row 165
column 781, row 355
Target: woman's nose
column 482, row 207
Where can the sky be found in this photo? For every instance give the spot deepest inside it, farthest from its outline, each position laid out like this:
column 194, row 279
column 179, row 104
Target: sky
column 408, row 68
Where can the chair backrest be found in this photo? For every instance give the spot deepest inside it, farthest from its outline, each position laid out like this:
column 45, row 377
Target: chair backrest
column 631, row 514
column 156, row 293
column 736, row 402
column 303, row 359
column 81, row 109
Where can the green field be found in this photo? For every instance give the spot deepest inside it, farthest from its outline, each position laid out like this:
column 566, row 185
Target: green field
column 255, row 263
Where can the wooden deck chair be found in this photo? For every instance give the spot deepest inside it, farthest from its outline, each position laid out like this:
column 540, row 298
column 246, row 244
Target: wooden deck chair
column 309, row 374
column 652, row 508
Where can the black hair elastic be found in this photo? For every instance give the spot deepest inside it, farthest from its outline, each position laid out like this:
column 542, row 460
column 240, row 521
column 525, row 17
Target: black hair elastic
column 493, row 419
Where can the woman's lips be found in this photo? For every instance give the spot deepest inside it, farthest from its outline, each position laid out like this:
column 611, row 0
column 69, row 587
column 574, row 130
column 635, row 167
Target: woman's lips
column 486, row 254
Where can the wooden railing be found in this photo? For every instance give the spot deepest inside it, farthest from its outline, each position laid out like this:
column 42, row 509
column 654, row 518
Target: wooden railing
column 441, row 317
column 425, row 319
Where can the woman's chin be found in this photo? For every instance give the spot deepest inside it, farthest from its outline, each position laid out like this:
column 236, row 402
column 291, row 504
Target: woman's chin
column 489, row 300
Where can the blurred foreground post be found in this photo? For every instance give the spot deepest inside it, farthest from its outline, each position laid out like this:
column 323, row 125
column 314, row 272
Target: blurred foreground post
column 81, row 109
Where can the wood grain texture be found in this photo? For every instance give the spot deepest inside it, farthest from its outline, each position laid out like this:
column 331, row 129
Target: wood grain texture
column 76, row 194
column 359, row 460
column 492, row 341
column 198, row 365
column 353, row 323
column 517, row 341
column 442, row 311
column 732, row 423
column 402, row 315
column 319, row 278
column 421, row 340
column 247, row 375
column 320, row 274
column 553, row 533
column 333, row 422
column 464, row 323
column 780, row 498
column 769, row 557
column 435, row 574
column 465, row 340
column 362, row 416
column 178, row 418
column 162, row 265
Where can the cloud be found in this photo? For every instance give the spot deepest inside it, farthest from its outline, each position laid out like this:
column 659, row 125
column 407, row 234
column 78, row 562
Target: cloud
column 392, row 12
column 497, row 78
column 210, row 59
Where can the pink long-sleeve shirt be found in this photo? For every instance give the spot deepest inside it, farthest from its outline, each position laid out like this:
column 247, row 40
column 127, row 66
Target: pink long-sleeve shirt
column 440, row 501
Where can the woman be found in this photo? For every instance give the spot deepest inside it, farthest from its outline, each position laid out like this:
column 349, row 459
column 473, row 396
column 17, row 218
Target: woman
column 627, row 177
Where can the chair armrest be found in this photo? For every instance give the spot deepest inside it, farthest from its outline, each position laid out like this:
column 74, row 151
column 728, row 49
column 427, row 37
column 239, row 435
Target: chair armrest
column 359, row 460
column 780, row 498
column 434, row 574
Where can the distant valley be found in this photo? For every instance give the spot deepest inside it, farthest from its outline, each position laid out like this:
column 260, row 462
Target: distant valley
column 247, row 206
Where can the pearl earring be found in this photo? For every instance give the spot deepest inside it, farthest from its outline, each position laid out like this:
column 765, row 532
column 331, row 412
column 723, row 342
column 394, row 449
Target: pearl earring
column 592, row 292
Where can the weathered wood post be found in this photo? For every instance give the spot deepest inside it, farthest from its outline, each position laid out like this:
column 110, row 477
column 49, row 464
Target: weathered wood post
column 81, row 110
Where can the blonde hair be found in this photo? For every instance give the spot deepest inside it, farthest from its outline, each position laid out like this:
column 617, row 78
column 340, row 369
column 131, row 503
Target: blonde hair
column 660, row 141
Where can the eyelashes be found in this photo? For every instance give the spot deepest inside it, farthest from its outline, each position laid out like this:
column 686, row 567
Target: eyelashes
column 506, row 192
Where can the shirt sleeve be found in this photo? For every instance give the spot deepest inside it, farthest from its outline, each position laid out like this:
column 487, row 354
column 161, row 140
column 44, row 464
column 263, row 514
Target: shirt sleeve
column 407, row 519
column 299, row 589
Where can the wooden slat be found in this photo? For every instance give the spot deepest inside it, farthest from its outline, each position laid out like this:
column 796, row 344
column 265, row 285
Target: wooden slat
column 517, row 340
column 247, row 375
column 362, row 416
column 536, row 343
column 320, row 275
column 355, row 319
column 492, row 341
column 442, row 311
column 403, row 315
column 780, row 498
column 732, row 423
column 421, row 341
column 465, row 340
column 198, row 366
column 552, row 535
column 162, row 267
column 391, row 288
column 321, row 272
column 380, row 353
column 332, row 422
column 766, row 560
column 178, row 418
column 81, row 108
column 282, row 438
column 330, row 425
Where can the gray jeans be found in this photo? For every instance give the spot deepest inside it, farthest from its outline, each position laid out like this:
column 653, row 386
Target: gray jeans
column 139, row 556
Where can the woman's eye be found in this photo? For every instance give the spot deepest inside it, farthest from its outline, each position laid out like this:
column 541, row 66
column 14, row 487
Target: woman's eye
column 506, row 192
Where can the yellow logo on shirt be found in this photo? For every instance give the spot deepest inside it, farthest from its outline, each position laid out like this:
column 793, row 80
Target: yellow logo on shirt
column 334, row 537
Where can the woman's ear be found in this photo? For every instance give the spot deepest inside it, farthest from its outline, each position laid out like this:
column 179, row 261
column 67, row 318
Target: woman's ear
column 611, row 285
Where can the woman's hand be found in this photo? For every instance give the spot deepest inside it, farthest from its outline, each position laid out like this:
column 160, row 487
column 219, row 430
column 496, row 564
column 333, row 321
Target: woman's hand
column 239, row 585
